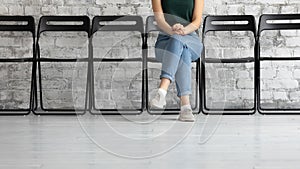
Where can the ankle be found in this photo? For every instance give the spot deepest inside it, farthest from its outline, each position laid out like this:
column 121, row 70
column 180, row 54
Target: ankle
column 162, row 92
column 185, row 107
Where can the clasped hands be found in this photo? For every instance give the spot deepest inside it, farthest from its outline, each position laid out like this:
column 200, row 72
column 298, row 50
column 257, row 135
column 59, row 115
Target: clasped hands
column 178, row 29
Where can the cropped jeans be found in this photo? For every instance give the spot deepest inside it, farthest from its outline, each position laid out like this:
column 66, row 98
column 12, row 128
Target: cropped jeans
column 176, row 53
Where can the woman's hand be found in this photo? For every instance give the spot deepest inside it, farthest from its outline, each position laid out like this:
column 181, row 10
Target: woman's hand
column 178, row 29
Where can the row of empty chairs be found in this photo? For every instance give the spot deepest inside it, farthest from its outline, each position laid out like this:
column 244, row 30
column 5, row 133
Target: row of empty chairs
column 136, row 24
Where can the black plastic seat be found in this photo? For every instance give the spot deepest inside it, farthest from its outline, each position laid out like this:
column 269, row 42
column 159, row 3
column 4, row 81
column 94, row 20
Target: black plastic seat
column 119, row 24
column 152, row 27
column 264, row 25
column 29, row 26
column 210, row 26
column 62, row 24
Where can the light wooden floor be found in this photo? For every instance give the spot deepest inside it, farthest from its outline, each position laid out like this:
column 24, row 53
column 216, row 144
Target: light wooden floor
column 154, row 142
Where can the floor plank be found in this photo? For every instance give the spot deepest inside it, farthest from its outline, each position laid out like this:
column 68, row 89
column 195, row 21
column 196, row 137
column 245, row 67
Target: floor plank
column 158, row 142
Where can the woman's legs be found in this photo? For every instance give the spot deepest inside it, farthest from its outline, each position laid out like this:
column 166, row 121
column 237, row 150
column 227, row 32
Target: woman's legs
column 176, row 58
column 171, row 56
column 183, row 77
column 164, row 83
column 168, row 52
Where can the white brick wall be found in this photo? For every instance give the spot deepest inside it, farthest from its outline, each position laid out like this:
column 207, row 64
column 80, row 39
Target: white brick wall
column 280, row 81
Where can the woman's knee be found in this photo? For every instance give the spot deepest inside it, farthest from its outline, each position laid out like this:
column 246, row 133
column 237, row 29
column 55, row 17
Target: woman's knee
column 186, row 56
column 176, row 40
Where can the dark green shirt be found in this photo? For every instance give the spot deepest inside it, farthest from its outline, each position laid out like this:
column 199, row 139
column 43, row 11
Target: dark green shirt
column 178, row 11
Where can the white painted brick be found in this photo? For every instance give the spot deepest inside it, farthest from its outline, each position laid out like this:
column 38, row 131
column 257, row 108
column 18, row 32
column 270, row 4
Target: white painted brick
column 288, row 9
column 285, row 74
column 243, row 74
column 111, row 10
column 268, row 74
column 273, row 2
column 64, row 10
column 247, row 94
column 33, row 10
column 296, row 52
column 245, row 84
column 295, row 95
column 235, row 9
column 296, row 74
column 3, row 10
column 283, row 52
column 233, row 95
column 280, row 96
column 8, row 42
column 48, row 10
column 288, row 32
column 70, row 42
column 16, row 10
column 281, row 84
column 91, row 11
column 293, row 41
column 266, row 95
column 252, row 10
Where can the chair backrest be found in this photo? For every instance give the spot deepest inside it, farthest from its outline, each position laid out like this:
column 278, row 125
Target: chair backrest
column 151, row 24
column 265, row 24
column 59, row 23
column 20, row 24
column 229, row 23
column 29, row 26
column 211, row 23
column 118, row 23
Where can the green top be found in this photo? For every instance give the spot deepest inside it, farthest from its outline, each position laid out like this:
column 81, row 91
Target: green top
column 178, row 11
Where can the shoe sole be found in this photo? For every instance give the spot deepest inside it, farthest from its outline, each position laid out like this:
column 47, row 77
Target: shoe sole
column 186, row 120
column 156, row 107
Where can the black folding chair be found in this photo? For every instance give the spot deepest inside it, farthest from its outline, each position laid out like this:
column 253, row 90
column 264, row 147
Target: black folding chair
column 118, row 24
column 151, row 26
column 61, row 24
column 265, row 24
column 29, row 26
column 210, row 26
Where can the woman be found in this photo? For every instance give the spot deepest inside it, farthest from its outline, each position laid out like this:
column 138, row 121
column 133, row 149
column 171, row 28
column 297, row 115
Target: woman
column 176, row 47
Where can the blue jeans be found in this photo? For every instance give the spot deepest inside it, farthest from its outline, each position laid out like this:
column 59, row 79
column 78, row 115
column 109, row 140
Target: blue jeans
column 176, row 54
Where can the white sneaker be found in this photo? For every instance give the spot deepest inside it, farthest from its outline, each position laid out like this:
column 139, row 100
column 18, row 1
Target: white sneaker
column 186, row 115
column 159, row 101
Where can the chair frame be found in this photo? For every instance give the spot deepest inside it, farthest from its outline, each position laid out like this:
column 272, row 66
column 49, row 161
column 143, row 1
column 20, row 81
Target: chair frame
column 264, row 26
column 45, row 27
column 208, row 27
column 97, row 27
column 29, row 27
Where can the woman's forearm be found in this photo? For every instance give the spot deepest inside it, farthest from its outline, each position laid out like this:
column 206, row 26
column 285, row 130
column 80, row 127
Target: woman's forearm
column 162, row 24
column 190, row 28
column 197, row 17
column 160, row 18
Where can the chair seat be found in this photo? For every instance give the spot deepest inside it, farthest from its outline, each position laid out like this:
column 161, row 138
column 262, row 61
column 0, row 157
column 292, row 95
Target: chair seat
column 232, row 60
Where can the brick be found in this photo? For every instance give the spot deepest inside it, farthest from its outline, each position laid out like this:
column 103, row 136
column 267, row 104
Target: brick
column 292, row 41
column 268, row 73
column 245, row 84
column 280, row 96
column 285, row 74
column 266, row 95
column 16, row 10
column 281, row 84
column 33, row 10
column 48, row 10
column 295, row 95
column 247, row 94
column 252, row 10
